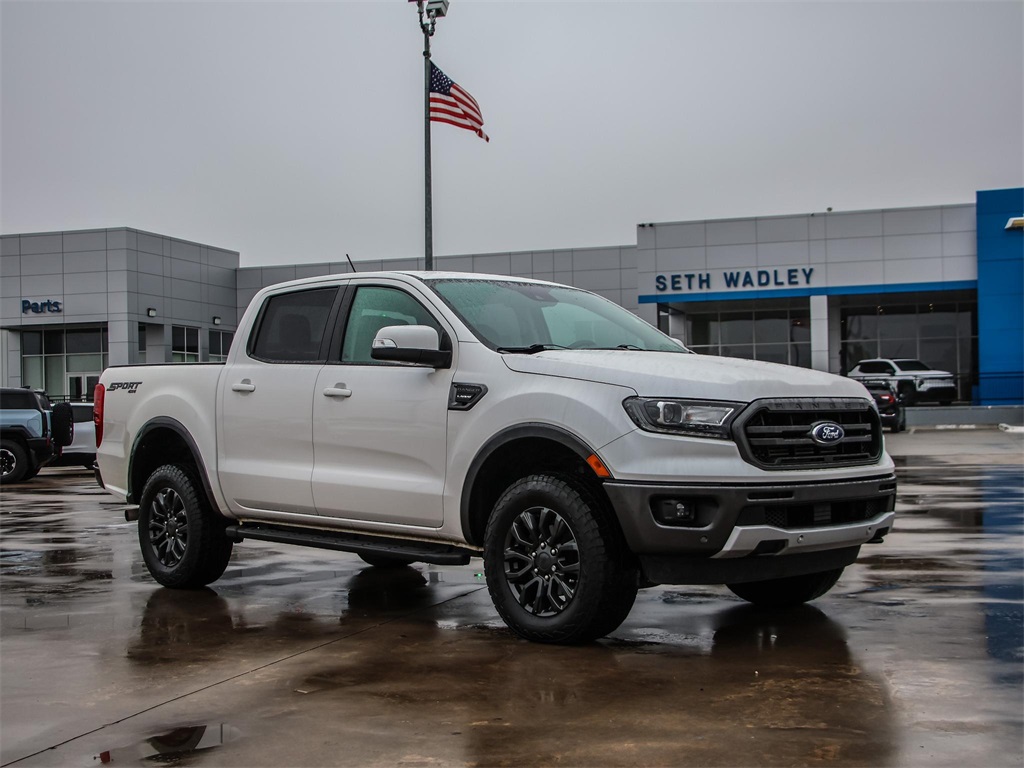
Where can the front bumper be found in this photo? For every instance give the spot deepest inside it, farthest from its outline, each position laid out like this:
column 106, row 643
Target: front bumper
column 753, row 532
column 725, row 516
column 43, row 451
column 936, row 392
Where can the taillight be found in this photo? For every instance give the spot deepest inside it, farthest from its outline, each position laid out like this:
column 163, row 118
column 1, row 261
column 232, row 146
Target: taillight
column 97, row 412
column 887, row 398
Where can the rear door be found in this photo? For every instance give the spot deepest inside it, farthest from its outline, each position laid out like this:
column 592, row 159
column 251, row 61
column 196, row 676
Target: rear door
column 379, row 429
column 265, row 424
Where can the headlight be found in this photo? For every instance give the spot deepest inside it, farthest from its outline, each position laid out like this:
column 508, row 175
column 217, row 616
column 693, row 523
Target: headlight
column 701, row 418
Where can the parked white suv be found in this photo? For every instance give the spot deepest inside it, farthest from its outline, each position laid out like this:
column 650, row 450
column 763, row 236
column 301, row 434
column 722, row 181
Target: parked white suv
column 913, row 380
column 436, row 417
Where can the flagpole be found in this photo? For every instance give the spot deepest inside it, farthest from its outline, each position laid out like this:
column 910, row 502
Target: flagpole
column 428, row 211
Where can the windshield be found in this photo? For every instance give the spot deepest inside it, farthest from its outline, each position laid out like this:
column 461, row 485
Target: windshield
column 510, row 316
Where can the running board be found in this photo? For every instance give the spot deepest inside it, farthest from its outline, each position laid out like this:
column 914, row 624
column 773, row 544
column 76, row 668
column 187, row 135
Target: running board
column 420, row 551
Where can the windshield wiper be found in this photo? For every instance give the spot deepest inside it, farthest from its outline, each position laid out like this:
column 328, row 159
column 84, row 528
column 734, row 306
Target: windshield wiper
column 530, row 350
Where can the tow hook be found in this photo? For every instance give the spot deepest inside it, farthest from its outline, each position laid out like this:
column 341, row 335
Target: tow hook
column 131, row 514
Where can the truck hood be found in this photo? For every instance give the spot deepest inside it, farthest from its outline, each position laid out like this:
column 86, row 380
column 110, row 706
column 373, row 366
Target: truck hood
column 668, row 374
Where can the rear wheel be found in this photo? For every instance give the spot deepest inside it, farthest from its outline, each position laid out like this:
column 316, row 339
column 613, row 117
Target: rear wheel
column 557, row 568
column 13, row 462
column 783, row 593
column 182, row 538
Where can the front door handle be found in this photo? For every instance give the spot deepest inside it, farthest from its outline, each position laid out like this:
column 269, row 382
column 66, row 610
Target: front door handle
column 339, row 390
column 245, row 385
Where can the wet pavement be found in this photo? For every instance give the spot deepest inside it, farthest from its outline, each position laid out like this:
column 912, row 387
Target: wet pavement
column 307, row 657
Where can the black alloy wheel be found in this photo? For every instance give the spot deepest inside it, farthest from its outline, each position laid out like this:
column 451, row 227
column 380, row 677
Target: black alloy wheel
column 182, row 537
column 168, row 527
column 558, row 568
column 542, row 561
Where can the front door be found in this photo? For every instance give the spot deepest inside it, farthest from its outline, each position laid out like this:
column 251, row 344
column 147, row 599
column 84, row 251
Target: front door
column 379, row 429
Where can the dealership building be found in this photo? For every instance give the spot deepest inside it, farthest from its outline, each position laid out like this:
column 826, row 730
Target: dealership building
column 943, row 284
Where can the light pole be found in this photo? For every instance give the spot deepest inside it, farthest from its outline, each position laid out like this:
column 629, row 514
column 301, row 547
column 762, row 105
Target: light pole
column 429, row 15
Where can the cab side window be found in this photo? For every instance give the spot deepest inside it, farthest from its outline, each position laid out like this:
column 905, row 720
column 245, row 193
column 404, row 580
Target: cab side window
column 375, row 307
column 292, row 326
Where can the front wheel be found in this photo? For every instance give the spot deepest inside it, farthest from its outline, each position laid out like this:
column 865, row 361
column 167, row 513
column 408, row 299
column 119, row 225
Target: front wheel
column 182, row 538
column 557, row 567
column 787, row 592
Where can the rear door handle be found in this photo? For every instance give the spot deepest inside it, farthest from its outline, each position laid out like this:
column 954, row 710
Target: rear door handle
column 243, row 386
column 338, row 391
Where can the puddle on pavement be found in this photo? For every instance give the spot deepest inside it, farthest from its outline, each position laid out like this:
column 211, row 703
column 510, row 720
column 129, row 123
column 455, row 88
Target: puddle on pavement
column 171, row 747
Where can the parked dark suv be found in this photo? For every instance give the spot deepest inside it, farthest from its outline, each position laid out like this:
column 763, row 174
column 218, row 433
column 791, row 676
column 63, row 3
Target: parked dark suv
column 32, row 433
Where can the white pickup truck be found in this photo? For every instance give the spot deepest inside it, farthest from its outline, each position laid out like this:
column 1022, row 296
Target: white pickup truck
column 434, row 417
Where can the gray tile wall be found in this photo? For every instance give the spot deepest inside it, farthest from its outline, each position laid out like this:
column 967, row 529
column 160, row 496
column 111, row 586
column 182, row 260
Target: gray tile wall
column 112, row 276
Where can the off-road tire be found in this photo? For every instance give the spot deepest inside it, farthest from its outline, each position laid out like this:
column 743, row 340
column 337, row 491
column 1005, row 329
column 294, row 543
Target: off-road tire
column 13, row 462
column 62, row 424
column 594, row 553
column 182, row 537
column 787, row 592
column 385, row 561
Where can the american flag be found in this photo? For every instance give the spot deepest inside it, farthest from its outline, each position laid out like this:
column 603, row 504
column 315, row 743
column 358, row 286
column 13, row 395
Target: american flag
column 453, row 105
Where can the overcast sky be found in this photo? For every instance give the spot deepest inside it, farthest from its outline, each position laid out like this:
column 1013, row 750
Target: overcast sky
column 293, row 132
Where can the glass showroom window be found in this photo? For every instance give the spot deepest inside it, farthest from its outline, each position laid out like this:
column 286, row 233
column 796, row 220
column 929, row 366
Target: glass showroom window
column 220, row 343
column 66, row 363
column 184, row 344
column 775, row 335
column 942, row 333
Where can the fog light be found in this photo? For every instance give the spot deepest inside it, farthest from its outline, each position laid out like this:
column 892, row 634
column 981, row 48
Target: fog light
column 675, row 512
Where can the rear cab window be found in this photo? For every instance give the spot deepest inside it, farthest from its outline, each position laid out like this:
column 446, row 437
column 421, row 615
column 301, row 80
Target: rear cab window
column 291, row 326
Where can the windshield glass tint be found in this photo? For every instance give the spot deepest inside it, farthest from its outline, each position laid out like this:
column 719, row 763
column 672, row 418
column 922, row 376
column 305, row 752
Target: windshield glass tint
column 513, row 315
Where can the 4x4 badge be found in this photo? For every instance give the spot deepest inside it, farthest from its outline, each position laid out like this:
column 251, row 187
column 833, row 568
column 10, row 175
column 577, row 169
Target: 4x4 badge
column 827, row 433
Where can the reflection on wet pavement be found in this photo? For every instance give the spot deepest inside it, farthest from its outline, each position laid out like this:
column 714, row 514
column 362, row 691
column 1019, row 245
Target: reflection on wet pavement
column 303, row 657
column 171, row 747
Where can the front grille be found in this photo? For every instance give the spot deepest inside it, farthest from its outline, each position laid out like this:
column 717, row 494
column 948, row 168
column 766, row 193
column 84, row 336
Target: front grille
column 816, row 515
column 777, row 434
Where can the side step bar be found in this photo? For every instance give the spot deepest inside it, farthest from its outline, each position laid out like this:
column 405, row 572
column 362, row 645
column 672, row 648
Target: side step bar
column 420, row 551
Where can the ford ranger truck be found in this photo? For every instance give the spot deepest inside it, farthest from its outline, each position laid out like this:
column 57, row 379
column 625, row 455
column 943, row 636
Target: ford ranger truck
column 435, row 417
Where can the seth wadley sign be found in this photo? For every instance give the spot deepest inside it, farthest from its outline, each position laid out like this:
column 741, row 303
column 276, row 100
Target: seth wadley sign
column 734, row 279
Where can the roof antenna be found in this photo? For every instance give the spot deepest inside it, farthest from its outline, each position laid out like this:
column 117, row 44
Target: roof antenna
column 350, row 264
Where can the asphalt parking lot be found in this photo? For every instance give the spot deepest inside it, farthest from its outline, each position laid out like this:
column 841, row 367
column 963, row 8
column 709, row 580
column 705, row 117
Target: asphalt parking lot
column 306, row 657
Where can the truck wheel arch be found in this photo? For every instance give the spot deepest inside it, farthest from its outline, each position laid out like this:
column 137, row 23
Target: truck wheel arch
column 160, row 441
column 512, row 453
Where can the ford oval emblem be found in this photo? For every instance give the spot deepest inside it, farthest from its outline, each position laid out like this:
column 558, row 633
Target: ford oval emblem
column 827, row 433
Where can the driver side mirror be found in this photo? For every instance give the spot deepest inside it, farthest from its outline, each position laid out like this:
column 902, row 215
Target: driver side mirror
column 417, row 344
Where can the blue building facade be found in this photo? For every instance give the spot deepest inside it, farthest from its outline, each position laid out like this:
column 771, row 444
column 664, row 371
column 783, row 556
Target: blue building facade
column 1001, row 296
